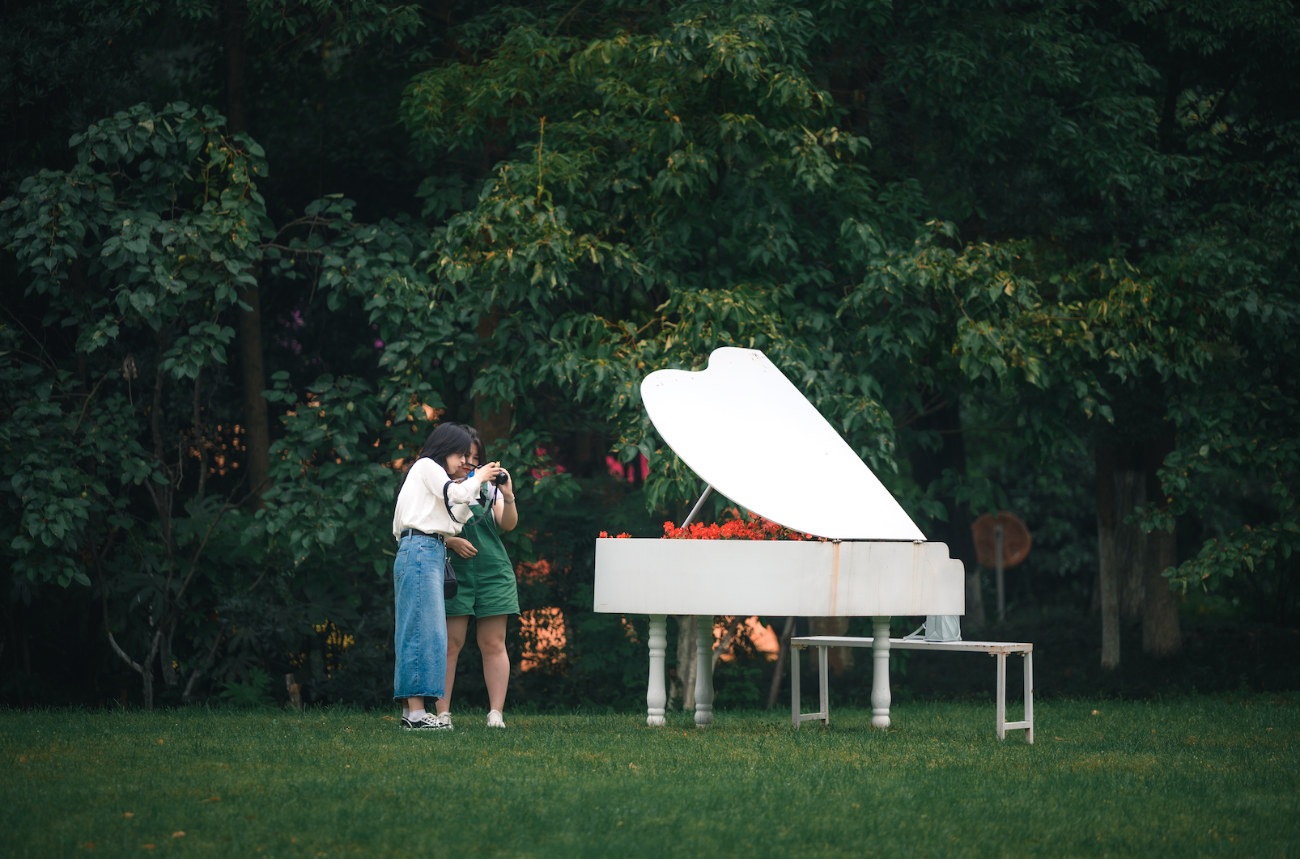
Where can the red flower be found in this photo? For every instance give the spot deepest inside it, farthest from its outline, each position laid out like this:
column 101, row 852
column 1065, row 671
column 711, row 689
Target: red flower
column 736, row 528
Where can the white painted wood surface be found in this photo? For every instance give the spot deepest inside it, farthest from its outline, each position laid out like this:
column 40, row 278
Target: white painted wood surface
column 880, row 644
column 775, row 578
column 733, row 422
column 743, row 577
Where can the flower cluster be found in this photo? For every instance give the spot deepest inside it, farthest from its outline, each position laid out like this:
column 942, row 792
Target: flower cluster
column 625, row 535
column 749, row 527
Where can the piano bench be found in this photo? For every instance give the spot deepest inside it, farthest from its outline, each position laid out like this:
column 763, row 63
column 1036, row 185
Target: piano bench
column 880, row 703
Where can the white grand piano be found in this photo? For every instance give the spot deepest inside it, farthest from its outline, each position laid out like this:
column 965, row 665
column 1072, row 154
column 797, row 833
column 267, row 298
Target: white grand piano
column 751, row 435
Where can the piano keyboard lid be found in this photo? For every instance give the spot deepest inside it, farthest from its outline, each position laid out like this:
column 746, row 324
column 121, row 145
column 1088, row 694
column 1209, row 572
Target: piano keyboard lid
column 746, row 430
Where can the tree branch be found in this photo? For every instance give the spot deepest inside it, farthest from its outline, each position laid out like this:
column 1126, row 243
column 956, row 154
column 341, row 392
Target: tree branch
column 103, row 590
column 938, row 403
column 194, row 560
column 202, row 440
column 204, row 666
column 733, row 629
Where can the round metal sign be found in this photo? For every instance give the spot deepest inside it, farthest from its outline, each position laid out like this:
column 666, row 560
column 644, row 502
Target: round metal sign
column 1016, row 540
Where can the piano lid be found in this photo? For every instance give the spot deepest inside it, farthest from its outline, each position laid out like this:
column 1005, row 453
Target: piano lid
column 743, row 427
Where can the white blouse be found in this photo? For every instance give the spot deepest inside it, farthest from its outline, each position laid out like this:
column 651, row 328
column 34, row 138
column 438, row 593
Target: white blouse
column 420, row 504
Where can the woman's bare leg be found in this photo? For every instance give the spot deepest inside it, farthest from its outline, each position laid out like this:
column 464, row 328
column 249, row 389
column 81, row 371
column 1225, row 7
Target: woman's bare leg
column 496, row 662
column 456, row 629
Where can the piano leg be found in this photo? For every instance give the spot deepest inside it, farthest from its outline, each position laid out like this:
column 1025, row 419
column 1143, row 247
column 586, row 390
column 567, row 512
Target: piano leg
column 656, row 696
column 703, row 671
column 880, row 673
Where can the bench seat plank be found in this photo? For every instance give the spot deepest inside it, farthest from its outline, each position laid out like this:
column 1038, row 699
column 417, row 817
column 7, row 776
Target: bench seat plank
column 990, row 647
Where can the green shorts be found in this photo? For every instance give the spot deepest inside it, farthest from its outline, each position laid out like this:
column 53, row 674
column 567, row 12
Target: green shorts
column 483, row 592
column 486, row 582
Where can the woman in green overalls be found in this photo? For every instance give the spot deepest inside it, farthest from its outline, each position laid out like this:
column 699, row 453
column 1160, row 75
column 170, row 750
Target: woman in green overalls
column 487, row 587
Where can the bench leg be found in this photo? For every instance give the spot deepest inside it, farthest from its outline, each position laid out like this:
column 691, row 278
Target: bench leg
column 703, row 671
column 824, row 684
column 880, row 673
column 1029, row 697
column 1002, row 695
column 794, row 685
column 656, row 696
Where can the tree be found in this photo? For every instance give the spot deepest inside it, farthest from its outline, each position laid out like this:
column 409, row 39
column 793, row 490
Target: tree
column 930, row 216
column 139, row 249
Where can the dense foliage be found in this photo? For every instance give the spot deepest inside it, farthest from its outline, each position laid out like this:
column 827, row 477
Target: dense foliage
column 993, row 243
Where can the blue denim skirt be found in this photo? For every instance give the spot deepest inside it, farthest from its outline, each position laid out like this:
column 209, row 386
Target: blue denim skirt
column 420, row 634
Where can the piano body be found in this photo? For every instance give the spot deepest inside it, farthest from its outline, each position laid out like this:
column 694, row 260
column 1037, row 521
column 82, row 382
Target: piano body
column 749, row 433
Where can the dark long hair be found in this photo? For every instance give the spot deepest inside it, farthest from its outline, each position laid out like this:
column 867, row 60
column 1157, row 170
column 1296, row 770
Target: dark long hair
column 476, row 439
column 445, row 440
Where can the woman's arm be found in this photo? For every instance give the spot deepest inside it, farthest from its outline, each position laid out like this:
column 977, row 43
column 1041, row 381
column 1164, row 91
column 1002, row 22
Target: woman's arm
column 458, row 493
column 504, row 507
column 461, row 547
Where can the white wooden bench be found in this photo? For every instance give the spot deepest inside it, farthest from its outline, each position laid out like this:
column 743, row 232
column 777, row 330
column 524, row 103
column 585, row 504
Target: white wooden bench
column 880, row 688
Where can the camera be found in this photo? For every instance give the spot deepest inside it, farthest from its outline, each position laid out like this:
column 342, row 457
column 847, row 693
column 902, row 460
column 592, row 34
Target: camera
column 502, row 478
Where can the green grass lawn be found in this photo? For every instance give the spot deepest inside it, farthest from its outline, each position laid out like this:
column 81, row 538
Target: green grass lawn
column 1186, row 777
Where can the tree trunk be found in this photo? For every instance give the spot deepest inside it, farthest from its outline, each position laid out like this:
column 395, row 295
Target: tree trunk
column 782, row 653
column 929, row 466
column 1161, row 633
column 257, row 435
column 1130, row 541
column 1129, row 559
column 838, row 659
column 493, row 425
column 686, row 660
column 1107, row 573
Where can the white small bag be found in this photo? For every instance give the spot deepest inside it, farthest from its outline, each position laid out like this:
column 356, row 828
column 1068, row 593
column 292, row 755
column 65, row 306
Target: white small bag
column 939, row 627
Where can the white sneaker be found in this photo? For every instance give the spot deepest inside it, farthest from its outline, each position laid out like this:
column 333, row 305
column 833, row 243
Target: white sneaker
column 495, row 720
column 427, row 722
column 444, row 719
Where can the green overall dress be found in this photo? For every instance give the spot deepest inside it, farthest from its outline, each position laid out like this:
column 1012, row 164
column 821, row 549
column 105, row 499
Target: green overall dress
column 486, row 581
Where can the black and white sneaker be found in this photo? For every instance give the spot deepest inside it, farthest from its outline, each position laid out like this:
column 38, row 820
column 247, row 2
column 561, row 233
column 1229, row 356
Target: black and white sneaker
column 427, row 722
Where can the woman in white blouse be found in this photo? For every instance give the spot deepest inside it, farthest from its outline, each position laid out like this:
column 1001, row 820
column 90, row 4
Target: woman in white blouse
column 430, row 508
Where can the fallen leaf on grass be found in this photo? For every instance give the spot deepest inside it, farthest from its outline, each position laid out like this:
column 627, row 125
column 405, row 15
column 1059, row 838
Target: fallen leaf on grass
column 178, row 835
column 213, row 799
column 89, row 845
column 631, row 766
column 160, row 742
column 390, row 718
column 128, row 814
column 147, row 846
column 1058, row 738
column 24, row 760
column 1096, row 712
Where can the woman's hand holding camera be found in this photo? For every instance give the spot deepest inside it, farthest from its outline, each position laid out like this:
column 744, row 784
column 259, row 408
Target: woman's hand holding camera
column 487, row 474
